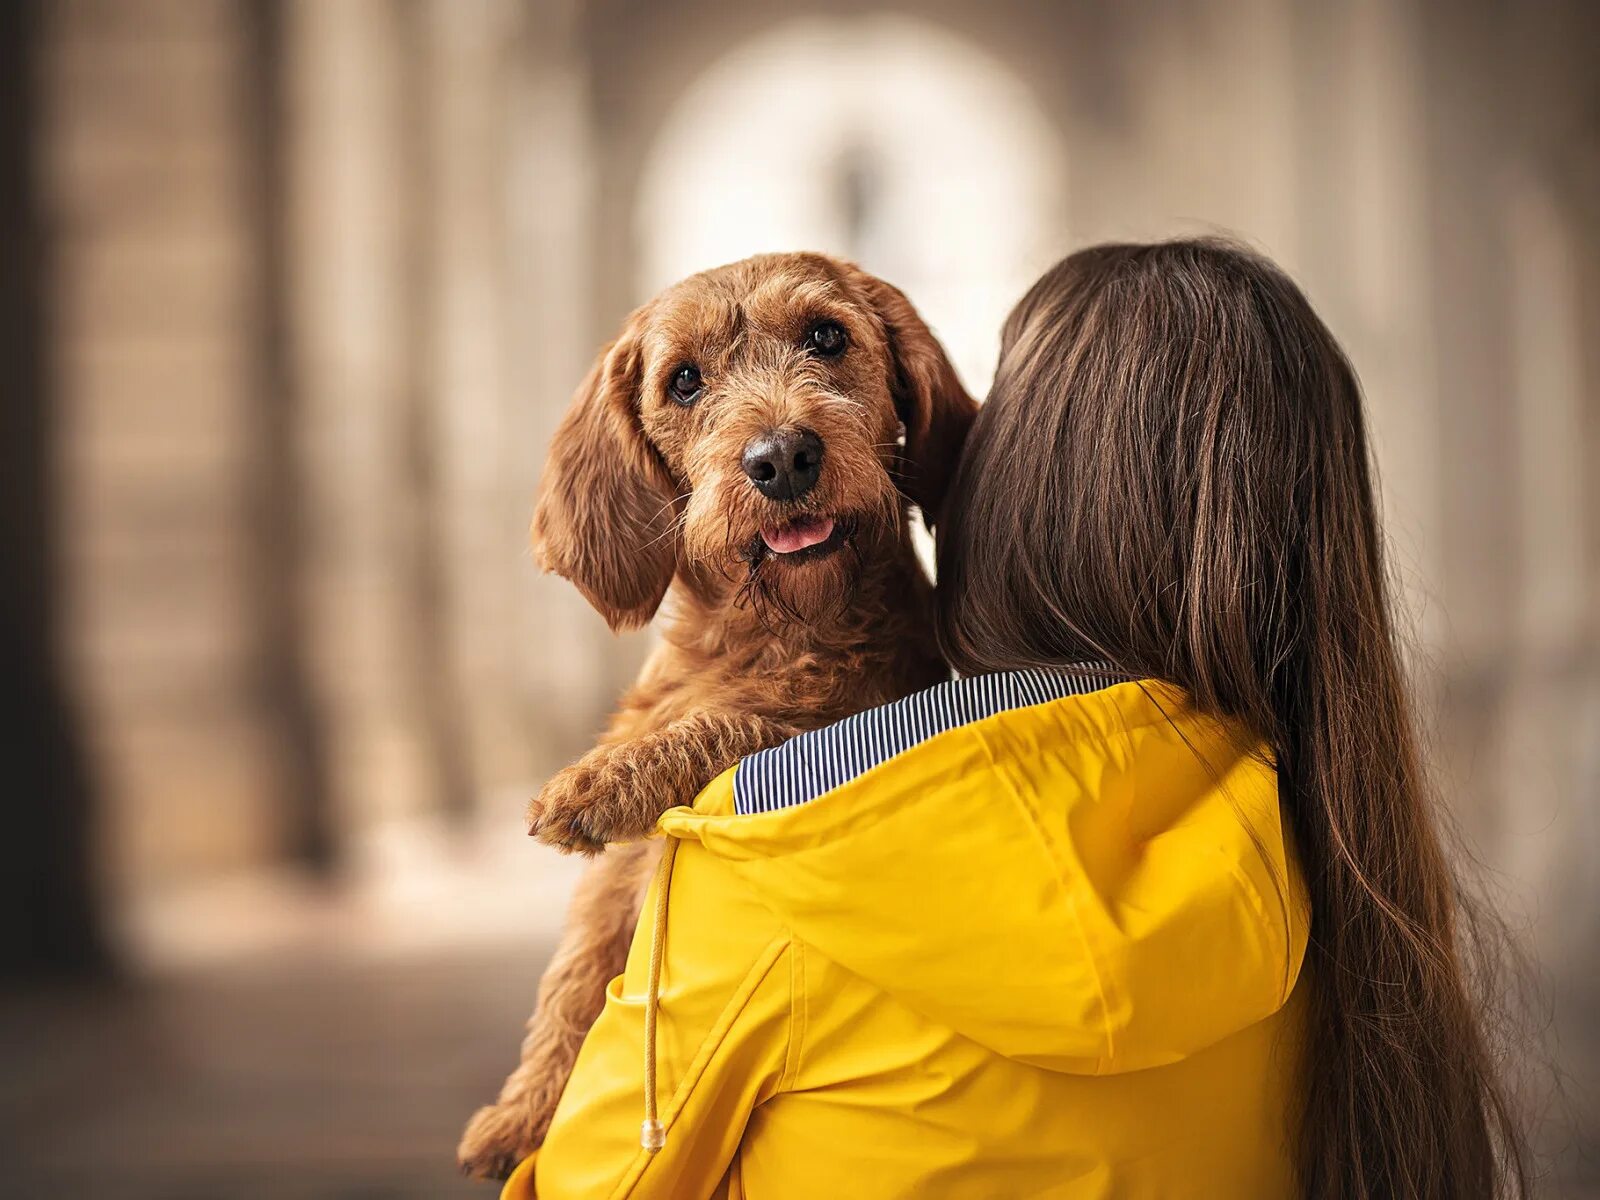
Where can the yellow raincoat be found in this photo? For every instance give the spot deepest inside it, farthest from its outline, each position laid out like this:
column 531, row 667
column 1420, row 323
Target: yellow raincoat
column 1048, row 953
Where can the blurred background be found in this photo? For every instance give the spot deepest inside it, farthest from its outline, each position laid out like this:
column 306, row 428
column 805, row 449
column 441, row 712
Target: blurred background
column 294, row 294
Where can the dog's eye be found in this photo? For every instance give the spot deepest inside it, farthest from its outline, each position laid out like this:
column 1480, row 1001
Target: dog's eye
column 827, row 338
column 685, row 385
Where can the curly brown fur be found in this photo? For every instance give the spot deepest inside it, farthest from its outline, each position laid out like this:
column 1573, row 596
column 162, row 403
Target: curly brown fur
column 645, row 505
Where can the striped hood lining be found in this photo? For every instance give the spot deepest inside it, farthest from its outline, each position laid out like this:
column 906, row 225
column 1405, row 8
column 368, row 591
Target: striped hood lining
column 811, row 764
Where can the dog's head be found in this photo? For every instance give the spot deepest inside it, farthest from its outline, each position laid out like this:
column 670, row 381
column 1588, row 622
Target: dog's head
column 758, row 427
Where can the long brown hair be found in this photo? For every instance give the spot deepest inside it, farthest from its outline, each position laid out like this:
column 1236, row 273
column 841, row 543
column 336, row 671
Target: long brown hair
column 1172, row 474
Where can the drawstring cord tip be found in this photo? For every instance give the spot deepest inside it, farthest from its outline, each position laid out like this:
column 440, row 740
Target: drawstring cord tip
column 652, row 1135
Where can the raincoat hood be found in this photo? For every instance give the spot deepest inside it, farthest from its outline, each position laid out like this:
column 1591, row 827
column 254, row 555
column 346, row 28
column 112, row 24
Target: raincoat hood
column 1052, row 881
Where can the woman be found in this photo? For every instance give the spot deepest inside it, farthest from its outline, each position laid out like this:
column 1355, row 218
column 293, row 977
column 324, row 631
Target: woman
column 1173, row 923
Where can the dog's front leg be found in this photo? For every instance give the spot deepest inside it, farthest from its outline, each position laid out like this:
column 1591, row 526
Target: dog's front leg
column 615, row 793
column 593, row 950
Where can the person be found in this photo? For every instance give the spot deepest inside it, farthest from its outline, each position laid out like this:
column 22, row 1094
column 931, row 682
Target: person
column 1150, row 900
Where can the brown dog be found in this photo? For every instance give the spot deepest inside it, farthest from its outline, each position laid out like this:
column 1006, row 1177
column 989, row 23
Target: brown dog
column 745, row 450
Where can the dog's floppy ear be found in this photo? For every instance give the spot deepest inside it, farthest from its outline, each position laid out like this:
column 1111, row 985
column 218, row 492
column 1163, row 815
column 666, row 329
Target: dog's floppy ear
column 604, row 517
column 935, row 408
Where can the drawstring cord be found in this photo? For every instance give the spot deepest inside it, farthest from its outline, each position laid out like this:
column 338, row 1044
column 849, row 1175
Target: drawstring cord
column 653, row 1134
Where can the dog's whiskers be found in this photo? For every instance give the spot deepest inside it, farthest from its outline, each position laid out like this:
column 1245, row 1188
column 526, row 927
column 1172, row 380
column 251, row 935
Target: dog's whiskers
column 669, row 504
column 675, row 528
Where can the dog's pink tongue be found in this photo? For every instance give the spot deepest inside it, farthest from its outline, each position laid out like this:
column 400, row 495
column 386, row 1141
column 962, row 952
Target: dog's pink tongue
column 797, row 535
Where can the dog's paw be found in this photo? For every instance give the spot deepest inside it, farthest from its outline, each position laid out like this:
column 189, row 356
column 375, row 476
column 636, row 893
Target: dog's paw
column 498, row 1137
column 561, row 814
column 590, row 804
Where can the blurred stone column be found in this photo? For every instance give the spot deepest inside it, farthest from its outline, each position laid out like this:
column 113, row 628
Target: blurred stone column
column 500, row 319
column 1361, row 210
column 1478, row 468
column 145, row 168
column 442, row 314
column 50, row 915
column 280, row 516
column 473, row 64
column 567, row 665
column 350, row 153
column 1548, row 779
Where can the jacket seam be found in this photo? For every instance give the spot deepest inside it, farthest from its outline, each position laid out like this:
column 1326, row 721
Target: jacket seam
column 1270, row 925
column 799, row 1014
column 1072, row 905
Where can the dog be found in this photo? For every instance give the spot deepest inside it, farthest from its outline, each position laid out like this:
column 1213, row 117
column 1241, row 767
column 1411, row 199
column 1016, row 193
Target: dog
column 741, row 458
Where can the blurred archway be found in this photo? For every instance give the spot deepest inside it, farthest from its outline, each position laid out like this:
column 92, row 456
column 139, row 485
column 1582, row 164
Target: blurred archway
column 894, row 143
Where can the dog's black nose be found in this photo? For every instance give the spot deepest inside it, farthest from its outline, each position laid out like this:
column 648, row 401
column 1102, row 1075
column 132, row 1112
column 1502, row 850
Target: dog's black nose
column 784, row 464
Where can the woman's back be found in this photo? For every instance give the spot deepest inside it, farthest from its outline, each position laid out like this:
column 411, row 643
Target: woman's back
column 1034, row 934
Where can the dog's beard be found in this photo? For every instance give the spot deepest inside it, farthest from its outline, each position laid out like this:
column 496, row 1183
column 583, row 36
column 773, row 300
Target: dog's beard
column 816, row 592
column 725, row 539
